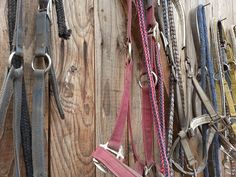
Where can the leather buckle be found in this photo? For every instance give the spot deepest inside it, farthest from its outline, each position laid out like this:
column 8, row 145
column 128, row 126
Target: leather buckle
column 225, row 152
column 119, row 155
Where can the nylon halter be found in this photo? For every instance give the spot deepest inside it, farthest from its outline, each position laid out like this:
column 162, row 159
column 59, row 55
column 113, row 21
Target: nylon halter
column 207, row 82
column 165, row 169
column 108, row 157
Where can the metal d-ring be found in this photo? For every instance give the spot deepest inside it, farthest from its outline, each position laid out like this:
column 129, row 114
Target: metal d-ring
column 226, row 67
column 10, row 59
column 129, row 50
column 49, row 63
column 155, row 79
column 216, row 76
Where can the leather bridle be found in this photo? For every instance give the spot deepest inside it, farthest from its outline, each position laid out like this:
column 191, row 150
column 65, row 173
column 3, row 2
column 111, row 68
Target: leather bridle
column 42, row 55
column 13, row 86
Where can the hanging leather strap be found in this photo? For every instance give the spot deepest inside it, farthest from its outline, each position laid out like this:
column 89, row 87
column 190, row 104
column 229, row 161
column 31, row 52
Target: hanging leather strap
column 13, row 86
column 38, row 124
column 17, row 95
column 41, row 53
column 7, row 91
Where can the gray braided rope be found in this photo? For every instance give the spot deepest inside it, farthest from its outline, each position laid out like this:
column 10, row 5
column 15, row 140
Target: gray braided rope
column 171, row 121
column 176, row 56
column 171, row 89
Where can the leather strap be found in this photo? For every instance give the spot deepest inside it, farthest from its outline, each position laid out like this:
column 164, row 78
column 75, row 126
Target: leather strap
column 13, row 86
column 5, row 99
column 38, row 124
column 18, row 36
column 17, row 95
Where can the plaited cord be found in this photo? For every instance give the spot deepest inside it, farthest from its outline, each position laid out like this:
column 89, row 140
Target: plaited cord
column 176, row 56
column 25, row 120
column 63, row 31
column 11, row 21
column 172, row 83
column 160, row 140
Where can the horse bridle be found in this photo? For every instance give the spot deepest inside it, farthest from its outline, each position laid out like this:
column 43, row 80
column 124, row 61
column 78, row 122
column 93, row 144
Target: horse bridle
column 210, row 118
column 42, row 55
column 13, row 86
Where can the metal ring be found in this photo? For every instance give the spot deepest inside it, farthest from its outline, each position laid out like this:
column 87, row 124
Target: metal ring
column 226, row 67
column 129, row 50
column 49, row 63
column 233, row 63
column 216, row 76
column 10, row 60
column 155, row 80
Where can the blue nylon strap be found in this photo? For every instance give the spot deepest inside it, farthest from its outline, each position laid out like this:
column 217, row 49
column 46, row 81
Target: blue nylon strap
column 206, row 64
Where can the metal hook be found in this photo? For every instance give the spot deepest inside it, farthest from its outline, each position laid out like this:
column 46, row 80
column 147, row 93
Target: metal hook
column 206, row 4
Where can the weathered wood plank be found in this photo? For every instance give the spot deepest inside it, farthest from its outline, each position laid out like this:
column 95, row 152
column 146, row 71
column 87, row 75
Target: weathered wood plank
column 90, row 71
column 72, row 140
column 110, row 52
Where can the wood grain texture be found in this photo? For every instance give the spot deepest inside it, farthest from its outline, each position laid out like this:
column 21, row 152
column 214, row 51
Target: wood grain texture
column 90, row 73
column 72, row 140
column 110, row 54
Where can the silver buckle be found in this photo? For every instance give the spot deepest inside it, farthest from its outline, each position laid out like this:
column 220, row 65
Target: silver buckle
column 155, row 32
column 225, row 152
column 119, row 155
column 147, row 169
column 49, row 9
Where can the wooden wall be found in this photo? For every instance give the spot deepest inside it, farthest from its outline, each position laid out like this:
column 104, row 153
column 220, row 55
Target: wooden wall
column 89, row 70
